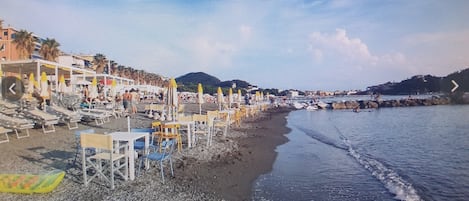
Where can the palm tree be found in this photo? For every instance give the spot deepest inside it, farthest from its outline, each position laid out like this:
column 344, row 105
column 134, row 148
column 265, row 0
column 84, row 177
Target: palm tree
column 113, row 67
column 24, row 41
column 49, row 49
column 99, row 63
column 1, row 24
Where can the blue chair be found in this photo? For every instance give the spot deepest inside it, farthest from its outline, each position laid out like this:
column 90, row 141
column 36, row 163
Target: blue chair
column 164, row 155
column 140, row 144
column 78, row 145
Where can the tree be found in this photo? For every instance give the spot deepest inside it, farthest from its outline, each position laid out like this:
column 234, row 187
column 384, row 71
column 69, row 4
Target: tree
column 1, row 24
column 24, row 41
column 49, row 49
column 99, row 62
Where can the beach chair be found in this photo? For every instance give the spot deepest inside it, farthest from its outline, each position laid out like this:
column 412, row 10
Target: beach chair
column 171, row 131
column 71, row 118
column 78, row 145
column 44, row 119
column 167, row 147
column 5, row 131
column 16, row 124
column 202, row 127
column 105, row 152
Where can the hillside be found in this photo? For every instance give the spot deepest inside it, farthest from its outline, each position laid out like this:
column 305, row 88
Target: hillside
column 421, row 84
column 188, row 82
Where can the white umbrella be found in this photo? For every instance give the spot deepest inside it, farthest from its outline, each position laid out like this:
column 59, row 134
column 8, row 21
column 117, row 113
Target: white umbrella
column 44, row 86
column 113, row 91
column 172, row 100
column 219, row 98
column 61, row 86
column 32, row 81
column 200, row 94
column 94, row 89
column 230, row 97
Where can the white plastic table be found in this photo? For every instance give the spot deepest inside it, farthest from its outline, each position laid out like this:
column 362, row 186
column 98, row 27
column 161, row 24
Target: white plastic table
column 130, row 138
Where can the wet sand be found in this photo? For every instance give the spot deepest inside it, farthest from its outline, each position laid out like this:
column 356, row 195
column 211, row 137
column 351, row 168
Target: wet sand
column 224, row 171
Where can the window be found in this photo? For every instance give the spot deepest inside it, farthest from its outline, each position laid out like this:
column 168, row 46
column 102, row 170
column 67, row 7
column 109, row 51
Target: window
column 13, row 36
column 5, row 33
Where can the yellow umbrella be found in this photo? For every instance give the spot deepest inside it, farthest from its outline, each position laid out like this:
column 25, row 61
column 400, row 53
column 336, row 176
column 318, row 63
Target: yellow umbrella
column 239, row 97
column 219, row 98
column 230, row 97
column 94, row 89
column 200, row 94
column 262, row 96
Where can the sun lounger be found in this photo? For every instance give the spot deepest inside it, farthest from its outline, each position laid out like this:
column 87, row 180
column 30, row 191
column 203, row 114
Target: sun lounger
column 5, row 131
column 16, row 124
column 7, row 107
column 99, row 116
column 65, row 116
column 43, row 118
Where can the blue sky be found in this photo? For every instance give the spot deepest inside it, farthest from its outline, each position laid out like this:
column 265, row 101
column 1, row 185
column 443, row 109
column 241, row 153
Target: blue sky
column 307, row 45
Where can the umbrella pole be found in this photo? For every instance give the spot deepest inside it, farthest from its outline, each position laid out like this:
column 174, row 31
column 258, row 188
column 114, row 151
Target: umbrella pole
column 200, row 108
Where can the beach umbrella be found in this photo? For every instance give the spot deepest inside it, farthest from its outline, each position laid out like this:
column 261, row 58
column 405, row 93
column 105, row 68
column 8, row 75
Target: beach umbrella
column 61, row 86
column 172, row 100
column 240, row 99
column 230, row 97
column 113, row 92
column 262, row 96
column 44, row 86
column 200, row 94
column 94, row 89
column 31, row 83
column 219, row 98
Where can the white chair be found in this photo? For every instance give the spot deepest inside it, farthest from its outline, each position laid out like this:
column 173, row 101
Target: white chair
column 105, row 155
column 203, row 126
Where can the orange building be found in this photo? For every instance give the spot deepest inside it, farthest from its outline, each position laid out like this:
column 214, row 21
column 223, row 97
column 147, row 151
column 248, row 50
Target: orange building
column 8, row 51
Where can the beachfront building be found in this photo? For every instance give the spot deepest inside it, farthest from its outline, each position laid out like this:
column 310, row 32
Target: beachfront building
column 75, row 61
column 8, row 49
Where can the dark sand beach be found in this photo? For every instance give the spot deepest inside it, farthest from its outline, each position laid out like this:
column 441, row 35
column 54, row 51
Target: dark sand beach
column 224, row 171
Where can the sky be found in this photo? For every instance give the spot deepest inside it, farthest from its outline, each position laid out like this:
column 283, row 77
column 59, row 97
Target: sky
column 284, row 44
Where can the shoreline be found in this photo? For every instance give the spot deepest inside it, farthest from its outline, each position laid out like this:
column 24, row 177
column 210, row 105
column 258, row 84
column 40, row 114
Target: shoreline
column 224, row 171
column 231, row 176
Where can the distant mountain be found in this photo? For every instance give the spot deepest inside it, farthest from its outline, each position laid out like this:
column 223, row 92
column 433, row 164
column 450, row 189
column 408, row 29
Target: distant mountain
column 198, row 77
column 188, row 82
column 421, row 84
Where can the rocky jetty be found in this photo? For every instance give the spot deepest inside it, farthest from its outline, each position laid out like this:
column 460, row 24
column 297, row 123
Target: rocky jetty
column 365, row 104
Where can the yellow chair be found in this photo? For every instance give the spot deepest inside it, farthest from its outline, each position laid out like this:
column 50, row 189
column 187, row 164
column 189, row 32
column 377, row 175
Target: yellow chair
column 171, row 131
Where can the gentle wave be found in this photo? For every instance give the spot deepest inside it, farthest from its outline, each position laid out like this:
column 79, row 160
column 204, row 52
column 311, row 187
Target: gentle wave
column 395, row 184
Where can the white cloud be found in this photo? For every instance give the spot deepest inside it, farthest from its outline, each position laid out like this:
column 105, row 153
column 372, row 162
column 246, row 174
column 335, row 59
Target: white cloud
column 348, row 50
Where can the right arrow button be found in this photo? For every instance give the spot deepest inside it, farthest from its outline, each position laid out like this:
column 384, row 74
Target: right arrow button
column 455, row 86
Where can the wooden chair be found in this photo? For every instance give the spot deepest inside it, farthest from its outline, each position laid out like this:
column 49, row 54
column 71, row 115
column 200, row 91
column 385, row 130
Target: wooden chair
column 171, row 131
column 105, row 152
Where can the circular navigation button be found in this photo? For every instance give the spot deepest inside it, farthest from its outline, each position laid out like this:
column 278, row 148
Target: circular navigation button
column 12, row 88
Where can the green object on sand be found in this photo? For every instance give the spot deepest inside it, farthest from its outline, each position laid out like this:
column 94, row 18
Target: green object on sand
column 30, row 183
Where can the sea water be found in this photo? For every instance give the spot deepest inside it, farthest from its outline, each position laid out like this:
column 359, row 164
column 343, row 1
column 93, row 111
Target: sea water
column 412, row 153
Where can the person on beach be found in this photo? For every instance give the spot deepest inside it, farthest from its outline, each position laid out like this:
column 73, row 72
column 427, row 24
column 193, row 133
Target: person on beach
column 134, row 100
column 126, row 97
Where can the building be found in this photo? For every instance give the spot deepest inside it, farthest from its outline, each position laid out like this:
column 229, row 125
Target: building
column 8, row 51
column 75, row 61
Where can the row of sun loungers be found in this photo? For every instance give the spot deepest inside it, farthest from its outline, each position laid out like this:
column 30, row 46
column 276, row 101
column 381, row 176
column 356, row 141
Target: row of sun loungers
column 44, row 119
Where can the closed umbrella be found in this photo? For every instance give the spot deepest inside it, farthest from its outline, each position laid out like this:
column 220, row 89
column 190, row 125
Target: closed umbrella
column 44, row 88
column 219, row 98
column 113, row 92
column 200, row 94
column 240, row 99
column 94, row 89
column 172, row 100
column 32, row 82
column 230, row 97
column 61, row 86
